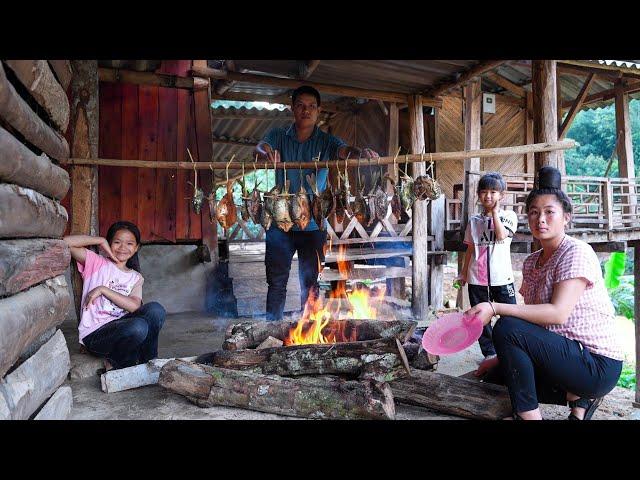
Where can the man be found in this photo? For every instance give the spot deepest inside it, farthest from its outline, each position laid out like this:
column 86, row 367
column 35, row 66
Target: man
column 300, row 141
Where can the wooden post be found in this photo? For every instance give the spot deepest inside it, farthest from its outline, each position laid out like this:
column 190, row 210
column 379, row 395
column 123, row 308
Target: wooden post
column 636, row 296
column 472, row 129
column 395, row 286
column 84, row 144
column 528, row 134
column 437, row 225
column 625, row 146
column 420, row 286
column 545, row 106
column 607, row 204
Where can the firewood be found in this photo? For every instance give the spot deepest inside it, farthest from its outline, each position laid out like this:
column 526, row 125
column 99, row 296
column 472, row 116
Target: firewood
column 27, row 315
column 320, row 397
column 251, row 334
column 269, row 343
column 453, row 395
column 24, row 263
column 28, row 386
column 136, row 376
column 26, row 213
column 20, row 116
column 20, row 166
column 58, row 406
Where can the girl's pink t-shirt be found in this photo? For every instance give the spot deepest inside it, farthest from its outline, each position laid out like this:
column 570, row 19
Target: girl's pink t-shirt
column 99, row 271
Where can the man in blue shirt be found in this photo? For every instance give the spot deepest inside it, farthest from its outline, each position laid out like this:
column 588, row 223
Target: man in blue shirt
column 300, row 141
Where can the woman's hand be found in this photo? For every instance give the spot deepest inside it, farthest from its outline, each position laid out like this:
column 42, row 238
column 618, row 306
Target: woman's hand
column 92, row 295
column 483, row 311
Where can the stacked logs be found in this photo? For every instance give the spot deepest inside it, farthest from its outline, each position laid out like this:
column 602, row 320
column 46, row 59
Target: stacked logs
column 34, row 297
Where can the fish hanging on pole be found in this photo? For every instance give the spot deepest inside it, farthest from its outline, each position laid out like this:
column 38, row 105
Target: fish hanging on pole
column 198, row 195
column 226, row 212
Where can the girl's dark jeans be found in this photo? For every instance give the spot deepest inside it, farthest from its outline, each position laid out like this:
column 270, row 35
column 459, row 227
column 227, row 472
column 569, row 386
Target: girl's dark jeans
column 538, row 365
column 131, row 339
column 500, row 294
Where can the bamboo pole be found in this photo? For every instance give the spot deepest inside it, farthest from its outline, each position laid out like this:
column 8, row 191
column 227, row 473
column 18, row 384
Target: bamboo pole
column 411, row 158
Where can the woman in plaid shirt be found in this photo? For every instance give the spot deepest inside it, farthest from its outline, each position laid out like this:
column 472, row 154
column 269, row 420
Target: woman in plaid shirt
column 561, row 346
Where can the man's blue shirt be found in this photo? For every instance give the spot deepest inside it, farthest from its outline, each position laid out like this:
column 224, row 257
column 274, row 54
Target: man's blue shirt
column 285, row 140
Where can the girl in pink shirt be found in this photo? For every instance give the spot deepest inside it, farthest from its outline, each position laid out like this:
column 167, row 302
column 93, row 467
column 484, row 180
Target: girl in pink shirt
column 114, row 324
column 561, row 346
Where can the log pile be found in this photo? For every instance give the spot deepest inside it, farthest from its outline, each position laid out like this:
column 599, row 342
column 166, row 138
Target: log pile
column 34, row 296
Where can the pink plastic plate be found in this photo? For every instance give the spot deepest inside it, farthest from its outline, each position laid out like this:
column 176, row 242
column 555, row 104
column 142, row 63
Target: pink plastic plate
column 451, row 333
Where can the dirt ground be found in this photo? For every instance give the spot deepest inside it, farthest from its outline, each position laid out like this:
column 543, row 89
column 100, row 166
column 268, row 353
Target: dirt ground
column 188, row 334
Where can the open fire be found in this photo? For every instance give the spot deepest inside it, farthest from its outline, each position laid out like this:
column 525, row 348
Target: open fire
column 318, row 323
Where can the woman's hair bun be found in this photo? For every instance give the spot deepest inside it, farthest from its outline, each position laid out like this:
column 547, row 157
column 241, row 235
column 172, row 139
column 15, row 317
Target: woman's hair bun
column 549, row 177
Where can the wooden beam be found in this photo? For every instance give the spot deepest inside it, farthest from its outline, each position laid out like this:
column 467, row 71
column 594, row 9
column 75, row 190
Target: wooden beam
column 465, row 77
column 241, row 143
column 575, row 108
column 631, row 87
column 19, row 115
column 285, row 99
column 306, row 68
column 602, row 68
column 506, row 84
column 411, row 158
column 25, row 389
column 26, row 315
column 623, row 129
column 293, row 83
column 233, row 114
column 545, row 110
column 63, row 70
column 38, row 78
column 27, row 213
column 20, row 166
column 222, row 86
column 420, row 225
column 584, row 71
column 152, row 79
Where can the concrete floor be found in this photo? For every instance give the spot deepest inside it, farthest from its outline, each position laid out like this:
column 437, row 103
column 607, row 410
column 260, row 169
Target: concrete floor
column 188, row 334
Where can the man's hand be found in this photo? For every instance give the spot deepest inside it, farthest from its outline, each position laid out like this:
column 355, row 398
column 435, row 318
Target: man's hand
column 92, row 295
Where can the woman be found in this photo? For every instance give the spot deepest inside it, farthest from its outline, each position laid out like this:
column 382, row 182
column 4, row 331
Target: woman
column 562, row 345
column 114, row 324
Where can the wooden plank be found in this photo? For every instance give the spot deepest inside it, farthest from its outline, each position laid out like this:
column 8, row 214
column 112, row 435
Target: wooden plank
column 148, row 150
column 575, row 108
column 130, row 133
column 58, row 407
column 453, row 395
column 109, row 178
column 27, row 213
column 151, row 79
column 25, row 263
column 135, row 377
column 320, row 397
column 38, row 78
column 20, row 166
column 165, row 204
column 26, row 315
column 420, row 285
column 545, row 125
column 15, row 111
column 63, row 71
column 28, row 386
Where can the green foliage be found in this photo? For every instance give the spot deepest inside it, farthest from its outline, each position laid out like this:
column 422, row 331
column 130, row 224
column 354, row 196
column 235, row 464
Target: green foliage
column 622, row 297
column 627, row 377
column 613, row 269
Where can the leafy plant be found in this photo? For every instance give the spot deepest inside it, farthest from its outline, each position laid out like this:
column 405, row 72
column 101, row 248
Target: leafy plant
column 622, row 297
column 614, row 269
column 627, row 377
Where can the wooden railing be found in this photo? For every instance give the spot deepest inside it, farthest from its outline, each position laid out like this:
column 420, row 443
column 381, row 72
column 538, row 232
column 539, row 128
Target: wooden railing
column 599, row 203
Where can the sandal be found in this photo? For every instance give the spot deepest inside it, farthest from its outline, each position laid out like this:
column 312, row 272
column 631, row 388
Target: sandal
column 590, row 406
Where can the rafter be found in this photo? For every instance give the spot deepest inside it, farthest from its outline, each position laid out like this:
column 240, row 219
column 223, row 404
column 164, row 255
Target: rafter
column 465, row 77
column 575, row 108
column 306, row 68
column 506, row 84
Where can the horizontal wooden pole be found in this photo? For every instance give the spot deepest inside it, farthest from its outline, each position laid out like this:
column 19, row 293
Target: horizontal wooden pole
column 149, row 78
column 411, row 158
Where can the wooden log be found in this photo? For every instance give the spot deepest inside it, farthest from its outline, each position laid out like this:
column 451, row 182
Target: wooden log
column 43, row 86
column 270, row 342
column 325, row 398
column 545, row 125
column 28, row 386
column 63, row 72
column 453, row 395
column 18, row 114
column 24, row 263
column 410, row 158
column 251, row 334
column 27, row 213
column 26, row 315
column 58, row 407
column 136, row 376
column 20, row 166
column 373, row 359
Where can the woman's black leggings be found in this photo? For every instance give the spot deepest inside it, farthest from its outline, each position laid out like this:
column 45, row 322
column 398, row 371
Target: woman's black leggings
column 538, row 365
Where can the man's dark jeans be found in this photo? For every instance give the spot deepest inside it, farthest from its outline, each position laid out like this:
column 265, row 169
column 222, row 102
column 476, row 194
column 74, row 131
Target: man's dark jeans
column 131, row 339
column 540, row 366
column 500, row 294
column 280, row 248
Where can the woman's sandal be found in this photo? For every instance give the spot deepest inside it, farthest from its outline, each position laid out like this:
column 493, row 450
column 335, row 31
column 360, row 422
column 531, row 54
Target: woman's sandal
column 590, row 406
